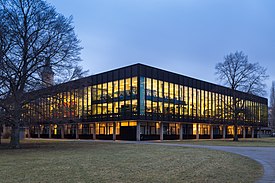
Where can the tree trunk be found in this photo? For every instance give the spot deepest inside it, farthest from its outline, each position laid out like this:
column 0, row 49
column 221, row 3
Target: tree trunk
column 235, row 133
column 1, row 129
column 15, row 137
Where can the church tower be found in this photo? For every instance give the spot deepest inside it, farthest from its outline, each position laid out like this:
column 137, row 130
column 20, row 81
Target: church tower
column 47, row 74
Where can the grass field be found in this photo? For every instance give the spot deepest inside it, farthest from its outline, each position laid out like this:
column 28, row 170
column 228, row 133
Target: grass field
column 248, row 142
column 51, row 161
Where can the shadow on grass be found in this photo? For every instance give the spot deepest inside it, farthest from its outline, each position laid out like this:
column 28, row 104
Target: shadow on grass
column 40, row 144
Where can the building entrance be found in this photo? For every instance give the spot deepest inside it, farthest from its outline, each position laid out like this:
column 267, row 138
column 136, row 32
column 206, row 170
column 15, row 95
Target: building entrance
column 128, row 132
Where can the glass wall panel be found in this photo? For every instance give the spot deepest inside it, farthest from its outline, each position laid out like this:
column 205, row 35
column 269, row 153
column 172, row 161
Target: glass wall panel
column 194, row 104
column 128, row 88
column 160, row 89
column 99, row 92
column 155, row 88
column 166, row 94
column 134, row 87
column 134, row 106
column 199, row 103
column 190, row 103
column 181, row 100
column 89, row 101
column 94, row 93
column 115, row 89
column 115, row 105
column 186, row 101
column 148, row 106
column 142, row 96
column 202, row 104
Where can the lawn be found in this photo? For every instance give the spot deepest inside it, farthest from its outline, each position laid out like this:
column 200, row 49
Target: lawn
column 247, row 142
column 51, row 161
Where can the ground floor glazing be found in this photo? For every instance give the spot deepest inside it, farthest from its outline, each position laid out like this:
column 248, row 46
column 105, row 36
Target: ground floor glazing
column 138, row 130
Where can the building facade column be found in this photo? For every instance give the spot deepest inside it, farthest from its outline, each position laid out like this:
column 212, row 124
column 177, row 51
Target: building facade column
column 161, row 131
column 62, row 129
column 50, row 131
column 4, row 130
column 138, row 131
column 29, row 132
column 258, row 132
column 244, row 132
column 38, row 131
column 211, row 132
column 224, row 131
column 1, row 132
column 252, row 132
column 76, row 131
column 94, row 131
column 181, row 134
column 114, row 131
column 197, row 132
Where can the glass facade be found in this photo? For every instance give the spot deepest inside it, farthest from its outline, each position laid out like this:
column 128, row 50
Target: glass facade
column 142, row 94
column 103, row 101
column 175, row 102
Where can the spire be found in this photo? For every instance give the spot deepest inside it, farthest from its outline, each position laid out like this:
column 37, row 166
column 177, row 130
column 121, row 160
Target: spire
column 47, row 74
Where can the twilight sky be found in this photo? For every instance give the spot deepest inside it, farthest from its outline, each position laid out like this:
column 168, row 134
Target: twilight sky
column 184, row 36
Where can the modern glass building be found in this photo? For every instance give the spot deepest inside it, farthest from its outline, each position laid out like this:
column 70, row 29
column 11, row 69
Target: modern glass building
column 140, row 102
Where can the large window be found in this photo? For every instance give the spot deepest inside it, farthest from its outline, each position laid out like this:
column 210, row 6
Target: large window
column 156, row 98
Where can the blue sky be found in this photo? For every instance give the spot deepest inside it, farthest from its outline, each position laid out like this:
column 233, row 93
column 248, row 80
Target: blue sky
column 184, row 36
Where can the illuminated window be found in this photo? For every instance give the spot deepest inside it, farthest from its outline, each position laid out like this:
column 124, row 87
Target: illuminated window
column 121, row 89
column 124, row 124
column 160, row 89
column 134, row 87
column 142, row 96
column 115, row 89
column 128, row 88
column 99, row 92
column 132, row 123
column 115, row 104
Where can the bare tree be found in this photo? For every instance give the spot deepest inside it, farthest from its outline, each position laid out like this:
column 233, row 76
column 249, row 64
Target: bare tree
column 238, row 74
column 272, row 106
column 76, row 72
column 30, row 32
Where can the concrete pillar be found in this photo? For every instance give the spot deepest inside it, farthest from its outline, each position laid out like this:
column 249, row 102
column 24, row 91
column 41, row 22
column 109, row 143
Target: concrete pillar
column 50, row 131
column 1, row 132
column 114, row 131
column 94, row 131
column 38, row 131
column 138, row 131
column 259, row 133
column 252, row 132
column 197, row 131
column 244, row 132
column 161, row 131
column 62, row 129
column 146, row 128
column 107, row 128
column 181, row 134
column 4, row 130
column 223, row 131
column 29, row 132
column 211, row 132
column 76, row 131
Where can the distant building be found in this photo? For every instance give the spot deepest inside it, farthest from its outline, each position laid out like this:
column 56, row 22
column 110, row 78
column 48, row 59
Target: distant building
column 140, row 102
column 47, row 74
